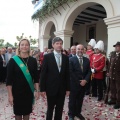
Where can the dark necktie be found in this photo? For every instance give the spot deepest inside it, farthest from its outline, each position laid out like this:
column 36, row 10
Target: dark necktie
column 81, row 63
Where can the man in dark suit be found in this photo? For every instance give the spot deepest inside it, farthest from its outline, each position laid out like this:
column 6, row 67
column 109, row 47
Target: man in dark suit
column 73, row 51
column 80, row 73
column 55, row 79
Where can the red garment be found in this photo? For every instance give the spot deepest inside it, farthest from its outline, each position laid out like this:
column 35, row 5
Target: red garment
column 90, row 54
column 41, row 57
column 98, row 63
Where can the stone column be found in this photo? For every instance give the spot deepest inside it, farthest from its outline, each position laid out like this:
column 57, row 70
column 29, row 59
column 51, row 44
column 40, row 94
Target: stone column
column 65, row 35
column 43, row 42
column 113, row 24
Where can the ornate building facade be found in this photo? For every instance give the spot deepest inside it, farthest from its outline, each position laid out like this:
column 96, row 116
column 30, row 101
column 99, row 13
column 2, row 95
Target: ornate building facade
column 77, row 21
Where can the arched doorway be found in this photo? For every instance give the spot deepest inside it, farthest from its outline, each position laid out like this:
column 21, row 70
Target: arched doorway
column 47, row 33
column 90, row 24
column 80, row 6
column 51, row 36
column 85, row 14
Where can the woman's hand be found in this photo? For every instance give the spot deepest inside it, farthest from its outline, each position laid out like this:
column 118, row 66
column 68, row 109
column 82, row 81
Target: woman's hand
column 37, row 95
column 10, row 99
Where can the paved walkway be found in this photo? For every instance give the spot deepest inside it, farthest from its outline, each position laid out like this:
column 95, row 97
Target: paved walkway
column 92, row 110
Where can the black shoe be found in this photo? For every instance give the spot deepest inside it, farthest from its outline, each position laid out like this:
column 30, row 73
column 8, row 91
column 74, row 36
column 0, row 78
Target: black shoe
column 94, row 95
column 116, row 106
column 110, row 102
column 80, row 117
column 99, row 99
column 87, row 93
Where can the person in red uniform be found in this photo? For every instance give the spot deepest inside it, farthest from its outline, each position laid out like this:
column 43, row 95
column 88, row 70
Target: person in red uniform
column 97, row 64
column 90, row 48
column 90, row 53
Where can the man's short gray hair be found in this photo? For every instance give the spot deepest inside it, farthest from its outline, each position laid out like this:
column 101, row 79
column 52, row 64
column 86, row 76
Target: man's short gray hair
column 9, row 48
column 56, row 39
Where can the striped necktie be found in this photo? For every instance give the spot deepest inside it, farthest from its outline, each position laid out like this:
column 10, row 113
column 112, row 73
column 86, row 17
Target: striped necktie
column 81, row 63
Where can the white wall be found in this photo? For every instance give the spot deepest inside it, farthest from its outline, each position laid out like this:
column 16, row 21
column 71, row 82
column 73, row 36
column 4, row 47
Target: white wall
column 101, row 33
column 80, row 33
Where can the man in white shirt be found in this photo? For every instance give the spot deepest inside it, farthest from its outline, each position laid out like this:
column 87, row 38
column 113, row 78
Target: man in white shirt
column 73, row 51
column 9, row 54
column 55, row 80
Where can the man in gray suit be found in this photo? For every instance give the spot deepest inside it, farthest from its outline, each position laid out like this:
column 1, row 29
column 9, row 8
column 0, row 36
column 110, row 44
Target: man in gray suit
column 7, row 57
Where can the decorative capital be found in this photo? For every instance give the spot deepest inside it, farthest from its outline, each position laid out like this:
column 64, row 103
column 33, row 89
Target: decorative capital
column 45, row 37
column 113, row 21
column 62, row 33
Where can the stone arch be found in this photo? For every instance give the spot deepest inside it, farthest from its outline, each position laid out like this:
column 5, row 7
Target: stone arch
column 48, row 25
column 82, row 5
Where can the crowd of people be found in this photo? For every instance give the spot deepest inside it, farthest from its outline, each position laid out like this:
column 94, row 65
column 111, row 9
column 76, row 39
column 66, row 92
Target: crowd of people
column 56, row 73
column 5, row 55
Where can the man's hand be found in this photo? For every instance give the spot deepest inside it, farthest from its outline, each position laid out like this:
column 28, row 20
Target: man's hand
column 67, row 93
column 83, row 82
column 43, row 94
column 4, row 61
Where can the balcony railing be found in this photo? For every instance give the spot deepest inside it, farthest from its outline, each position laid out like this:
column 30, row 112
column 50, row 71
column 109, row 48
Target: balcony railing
column 44, row 7
column 38, row 6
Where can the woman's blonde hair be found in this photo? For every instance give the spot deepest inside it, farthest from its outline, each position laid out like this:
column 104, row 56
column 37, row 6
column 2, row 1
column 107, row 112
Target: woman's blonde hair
column 18, row 49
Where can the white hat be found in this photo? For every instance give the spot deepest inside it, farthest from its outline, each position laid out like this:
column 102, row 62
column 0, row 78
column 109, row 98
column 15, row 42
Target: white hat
column 92, row 43
column 100, row 45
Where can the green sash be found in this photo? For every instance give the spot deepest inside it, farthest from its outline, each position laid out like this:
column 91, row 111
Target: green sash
column 25, row 72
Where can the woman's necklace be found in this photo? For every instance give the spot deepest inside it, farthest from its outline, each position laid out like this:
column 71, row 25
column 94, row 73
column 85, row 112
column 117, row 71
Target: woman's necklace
column 26, row 64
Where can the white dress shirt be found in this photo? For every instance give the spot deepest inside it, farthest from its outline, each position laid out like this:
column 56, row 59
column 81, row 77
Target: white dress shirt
column 58, row 58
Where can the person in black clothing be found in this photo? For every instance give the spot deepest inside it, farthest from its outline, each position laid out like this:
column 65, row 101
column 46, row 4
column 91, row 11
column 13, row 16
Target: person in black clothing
column 36, row 56
column 20, row 94
column 80, row 73
column 73, row 51
column 55, row 80
column 2, row 66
